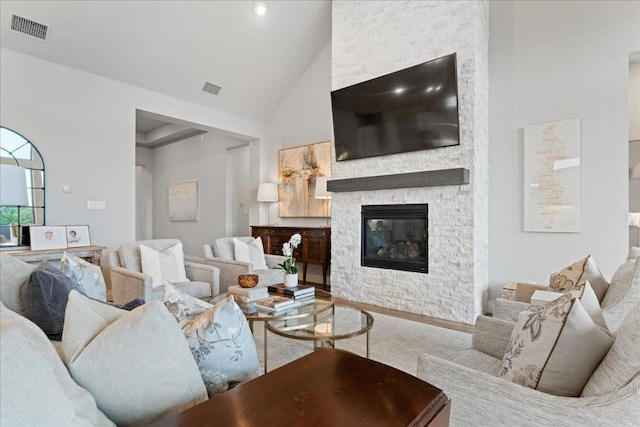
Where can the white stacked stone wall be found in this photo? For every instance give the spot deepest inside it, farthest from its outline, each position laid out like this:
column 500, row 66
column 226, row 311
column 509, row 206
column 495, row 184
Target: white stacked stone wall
column 371, row 39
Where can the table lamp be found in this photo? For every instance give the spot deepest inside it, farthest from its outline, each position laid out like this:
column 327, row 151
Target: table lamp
column 323, row 194
column 268, row 192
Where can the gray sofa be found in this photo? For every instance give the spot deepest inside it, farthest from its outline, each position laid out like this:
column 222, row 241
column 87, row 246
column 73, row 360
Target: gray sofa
column 221, row 254
column 480, row 398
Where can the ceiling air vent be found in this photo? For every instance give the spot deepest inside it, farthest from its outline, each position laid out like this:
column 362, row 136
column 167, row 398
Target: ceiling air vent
column 211, row 88
column 29, row 28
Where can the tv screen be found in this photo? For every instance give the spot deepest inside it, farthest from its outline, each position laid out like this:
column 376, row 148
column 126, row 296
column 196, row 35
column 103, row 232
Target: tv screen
column 409, row 110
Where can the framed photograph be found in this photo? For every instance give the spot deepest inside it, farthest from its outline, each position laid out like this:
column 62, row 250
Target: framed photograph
column 78, row 236
column 48, row 237
column 183, row 201
column 298, row 169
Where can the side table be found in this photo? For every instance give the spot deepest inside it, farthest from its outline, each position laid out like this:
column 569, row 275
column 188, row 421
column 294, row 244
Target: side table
column 91, row 254
column 326, row 388
column 324, row 329
column 323, row 302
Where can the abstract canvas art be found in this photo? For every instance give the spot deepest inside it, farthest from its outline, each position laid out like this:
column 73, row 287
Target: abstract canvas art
column 552, row 177
column 183, row 201
column 298, row 168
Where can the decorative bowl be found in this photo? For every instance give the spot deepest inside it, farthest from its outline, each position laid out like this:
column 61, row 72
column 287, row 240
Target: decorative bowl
column 248, row 280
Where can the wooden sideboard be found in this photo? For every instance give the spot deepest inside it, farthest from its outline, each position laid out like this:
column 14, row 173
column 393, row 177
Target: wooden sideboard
column 89, row 253
column 315, row 248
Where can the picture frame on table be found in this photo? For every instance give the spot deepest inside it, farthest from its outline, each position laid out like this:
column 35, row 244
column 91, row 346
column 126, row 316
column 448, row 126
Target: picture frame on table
column 47, row 237
column 78, row 236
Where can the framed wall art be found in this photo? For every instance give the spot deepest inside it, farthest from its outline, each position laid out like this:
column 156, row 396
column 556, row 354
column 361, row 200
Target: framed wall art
column 183, row 201
column 552, row 177
column 48, row 237
column 298, row 168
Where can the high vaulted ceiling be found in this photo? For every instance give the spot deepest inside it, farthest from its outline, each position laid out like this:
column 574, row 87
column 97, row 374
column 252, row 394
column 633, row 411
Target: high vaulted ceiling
column 174, row 47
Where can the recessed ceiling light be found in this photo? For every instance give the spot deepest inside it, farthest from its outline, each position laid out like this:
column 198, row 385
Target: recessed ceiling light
column 399, row 90
column 260, row 9
column 429, row 89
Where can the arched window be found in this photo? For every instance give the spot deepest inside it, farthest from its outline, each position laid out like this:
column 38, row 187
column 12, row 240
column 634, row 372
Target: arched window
column 22, row 193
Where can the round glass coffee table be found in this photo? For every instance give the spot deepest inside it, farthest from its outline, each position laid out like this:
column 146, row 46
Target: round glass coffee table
column 323, row 301
column 324, row 328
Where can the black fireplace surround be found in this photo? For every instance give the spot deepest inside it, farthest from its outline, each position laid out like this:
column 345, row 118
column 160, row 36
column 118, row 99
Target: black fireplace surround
column 395, row 237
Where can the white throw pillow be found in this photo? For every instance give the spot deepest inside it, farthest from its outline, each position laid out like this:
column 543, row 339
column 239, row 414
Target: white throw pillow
column 164, row 266
column 136, row 364
column 86, row 277
column 35, row 387
column 220, row 340
column 252, row 253
column 555, row 348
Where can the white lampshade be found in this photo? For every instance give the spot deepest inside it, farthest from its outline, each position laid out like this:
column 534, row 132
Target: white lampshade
column 13, row 186
column 321, row 188
column 267, row 192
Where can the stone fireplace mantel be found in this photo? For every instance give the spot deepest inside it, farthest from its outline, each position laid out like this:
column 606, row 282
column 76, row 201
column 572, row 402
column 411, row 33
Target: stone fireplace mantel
column 436, row 178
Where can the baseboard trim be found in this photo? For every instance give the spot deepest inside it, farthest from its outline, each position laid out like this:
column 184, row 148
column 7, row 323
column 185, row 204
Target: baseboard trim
column 433, row 321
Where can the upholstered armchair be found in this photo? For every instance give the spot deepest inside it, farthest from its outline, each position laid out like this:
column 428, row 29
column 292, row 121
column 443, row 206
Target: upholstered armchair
column 221, row 254
column 622, row 295
column 129, row 282
column 481, row 398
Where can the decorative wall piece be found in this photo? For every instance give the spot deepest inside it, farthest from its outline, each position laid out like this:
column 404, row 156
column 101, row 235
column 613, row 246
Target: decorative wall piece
column 78, row 236
column 183, row 201
column 48, row 237
column 552, row 176
column 298, row 168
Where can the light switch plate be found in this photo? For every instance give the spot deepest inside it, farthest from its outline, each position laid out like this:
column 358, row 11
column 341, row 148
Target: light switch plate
column 96, row 204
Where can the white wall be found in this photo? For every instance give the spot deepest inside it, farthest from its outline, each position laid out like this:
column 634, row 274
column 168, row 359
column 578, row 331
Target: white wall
column 84, row 126
column 552, row 61
column 238, row 191
column 303, row 117
column 201, row 158
column 144, row 193
column 634, row 100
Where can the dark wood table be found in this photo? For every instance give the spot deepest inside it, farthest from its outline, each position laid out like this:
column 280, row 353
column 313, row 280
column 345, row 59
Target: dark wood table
column 328, row 387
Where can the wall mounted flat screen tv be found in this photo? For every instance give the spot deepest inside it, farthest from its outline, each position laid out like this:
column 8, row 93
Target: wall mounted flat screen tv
column 409, row 110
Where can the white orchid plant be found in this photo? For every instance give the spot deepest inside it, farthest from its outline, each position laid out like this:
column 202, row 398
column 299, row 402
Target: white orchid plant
column 289, row 266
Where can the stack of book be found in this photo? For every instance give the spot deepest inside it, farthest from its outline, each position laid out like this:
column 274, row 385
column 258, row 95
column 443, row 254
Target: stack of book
column 285, row 299
column 247, row 298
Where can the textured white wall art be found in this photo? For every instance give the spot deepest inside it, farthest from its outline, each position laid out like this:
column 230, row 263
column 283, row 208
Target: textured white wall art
column 183, row 201
column 552, row 177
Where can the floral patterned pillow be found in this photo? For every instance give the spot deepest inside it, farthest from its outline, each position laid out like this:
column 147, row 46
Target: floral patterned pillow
column 555, row 348
column 574, row 276
column 86, row 277
column 184, row 307
column 219, row 338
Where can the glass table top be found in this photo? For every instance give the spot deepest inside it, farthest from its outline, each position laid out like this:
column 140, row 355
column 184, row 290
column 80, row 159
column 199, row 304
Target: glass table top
column 323, row 301
column 340, row 322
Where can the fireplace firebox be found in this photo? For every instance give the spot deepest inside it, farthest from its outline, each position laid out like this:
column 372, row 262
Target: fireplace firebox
column 395, row 237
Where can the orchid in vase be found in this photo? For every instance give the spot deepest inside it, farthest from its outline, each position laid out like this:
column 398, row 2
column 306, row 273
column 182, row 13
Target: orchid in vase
column 289, row 266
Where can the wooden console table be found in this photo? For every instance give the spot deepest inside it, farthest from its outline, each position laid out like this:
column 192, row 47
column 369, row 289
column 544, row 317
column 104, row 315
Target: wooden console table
column 315, row 248
column 89, row 253
column 325, row 388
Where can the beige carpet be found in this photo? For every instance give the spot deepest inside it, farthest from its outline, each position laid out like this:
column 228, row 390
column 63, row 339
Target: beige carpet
column 394, row 341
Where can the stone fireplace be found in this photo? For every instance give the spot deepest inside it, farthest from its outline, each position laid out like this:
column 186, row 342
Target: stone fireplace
column 370, row 39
